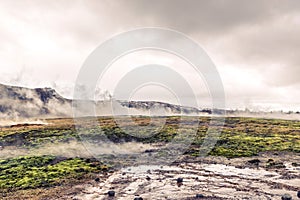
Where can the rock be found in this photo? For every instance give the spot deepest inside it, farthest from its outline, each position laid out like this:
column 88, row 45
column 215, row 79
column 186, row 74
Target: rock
column 295, row 164
column 298, row 194
column 148, row 178
column 79, row 170
column 254, row 161
column 138, row 198
column 149, row 150
column 111, row 193
column 179, row 180
column 275, row 165
column 288, row 176
column 199, row 196
column 286, row 197
column 97, row 179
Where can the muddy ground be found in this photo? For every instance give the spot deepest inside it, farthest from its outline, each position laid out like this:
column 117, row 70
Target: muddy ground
column 211, row 177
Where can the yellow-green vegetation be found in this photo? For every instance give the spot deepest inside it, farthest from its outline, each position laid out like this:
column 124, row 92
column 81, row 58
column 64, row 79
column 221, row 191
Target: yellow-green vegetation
column 43, row 171
column 36, row 137
column 249, row 136
column 239, row 137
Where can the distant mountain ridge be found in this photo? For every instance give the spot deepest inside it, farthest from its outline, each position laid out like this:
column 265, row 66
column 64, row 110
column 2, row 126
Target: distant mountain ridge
column 21, row 102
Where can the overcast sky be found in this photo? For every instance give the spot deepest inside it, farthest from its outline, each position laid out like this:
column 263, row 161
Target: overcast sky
column 255, row 45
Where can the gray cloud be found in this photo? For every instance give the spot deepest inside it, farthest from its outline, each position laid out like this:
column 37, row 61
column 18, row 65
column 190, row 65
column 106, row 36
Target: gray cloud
column 215, row 16
column 261, row 36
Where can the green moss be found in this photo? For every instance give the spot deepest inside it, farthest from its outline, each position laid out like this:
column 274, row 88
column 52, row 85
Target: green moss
column 249, row 136
column 43, row 171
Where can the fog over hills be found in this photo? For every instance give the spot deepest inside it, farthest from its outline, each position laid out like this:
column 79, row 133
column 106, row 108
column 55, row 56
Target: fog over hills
column 17, row 103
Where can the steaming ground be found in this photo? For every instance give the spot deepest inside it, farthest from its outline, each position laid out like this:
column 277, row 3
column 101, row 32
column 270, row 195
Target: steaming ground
column 5, row 123
column 214, row 178
column 267, row 115
column 75, row 149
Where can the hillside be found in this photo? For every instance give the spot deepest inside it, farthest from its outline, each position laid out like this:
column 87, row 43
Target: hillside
column 19, row 102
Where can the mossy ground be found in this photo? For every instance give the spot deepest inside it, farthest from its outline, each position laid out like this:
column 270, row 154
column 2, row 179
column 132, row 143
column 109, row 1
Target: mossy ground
column 239, row 136
column 27, row 172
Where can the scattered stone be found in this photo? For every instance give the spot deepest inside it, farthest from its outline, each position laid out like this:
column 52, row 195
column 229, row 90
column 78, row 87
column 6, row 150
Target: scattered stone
column 199, row 196
column 149, row 150
column 275, row 165
column 138, row 198
column 111, row 193
column 254, row 161
column 298, row 194
column 148, row 178
column 179, row 180
column 286, row 197
column 277, row 186
column 288, row 176
column 97, row 179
